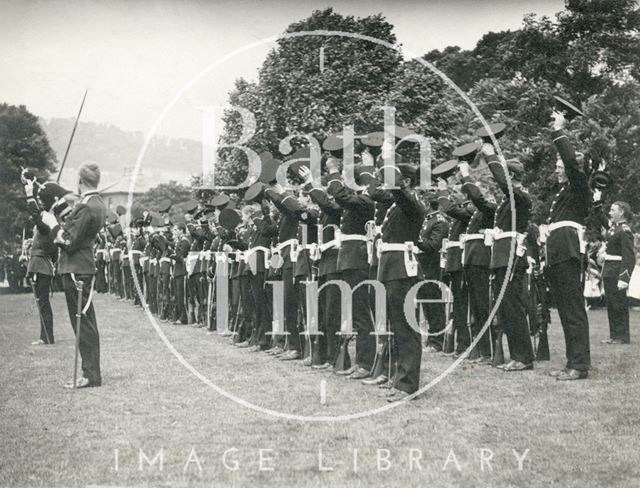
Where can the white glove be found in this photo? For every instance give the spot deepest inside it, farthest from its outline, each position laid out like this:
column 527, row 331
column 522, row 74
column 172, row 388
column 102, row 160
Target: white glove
column 49, row 219
column 487, row 149
column 28, row 188
column 227, row 248
column 367, row 158
column 597, row 195
column 558, row 120
column 622, row 285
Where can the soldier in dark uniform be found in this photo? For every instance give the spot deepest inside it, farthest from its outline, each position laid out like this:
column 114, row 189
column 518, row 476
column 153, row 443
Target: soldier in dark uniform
column 125, row 265
column 619, row 261
column 452, row 253
column 44, row 254
column 565, row 249
column 258, row 252
column 476, row 260
column 329, row 297
column 180, row 274
column 399, row 271
column 115, row 253
column 358, row 209
column 291, row 213
column 512, row 313
column 137, row 252
column 77, row 263
column 101, row 261
column 383, row 199
column 434, row 230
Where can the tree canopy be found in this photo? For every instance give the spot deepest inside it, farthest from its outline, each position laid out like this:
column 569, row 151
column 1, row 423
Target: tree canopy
column 589, row 54
column 23, row 144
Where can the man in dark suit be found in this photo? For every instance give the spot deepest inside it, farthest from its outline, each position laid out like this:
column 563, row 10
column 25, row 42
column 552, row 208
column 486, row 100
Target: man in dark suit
column 512, row 312
column 434, row 230
column 398, row 270
column 44, row 253
column 353, row 264
column 564, row 246
column 77, row 263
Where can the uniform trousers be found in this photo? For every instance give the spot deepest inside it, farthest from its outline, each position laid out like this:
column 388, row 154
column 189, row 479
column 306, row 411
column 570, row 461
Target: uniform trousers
column 512, row 314
column 89, row 337
column 566, row 287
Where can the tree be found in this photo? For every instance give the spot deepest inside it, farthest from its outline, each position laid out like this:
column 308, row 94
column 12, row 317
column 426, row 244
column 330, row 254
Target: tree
column 22, row 144
column 176, row 192
column 294, row 95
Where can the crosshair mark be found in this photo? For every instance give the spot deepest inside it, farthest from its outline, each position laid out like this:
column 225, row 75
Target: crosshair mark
column 323, row 392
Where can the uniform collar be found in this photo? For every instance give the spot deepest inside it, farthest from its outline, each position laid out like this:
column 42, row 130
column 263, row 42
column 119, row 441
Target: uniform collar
column 86, row 195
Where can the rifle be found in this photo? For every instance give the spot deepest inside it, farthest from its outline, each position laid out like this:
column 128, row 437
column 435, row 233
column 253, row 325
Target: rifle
column 449, row 332
column 343, row 361
column 474, row 353
column 542, row 317
column 497, row 352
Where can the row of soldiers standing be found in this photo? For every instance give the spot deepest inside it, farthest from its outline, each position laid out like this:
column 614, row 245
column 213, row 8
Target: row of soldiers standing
column 486, row 253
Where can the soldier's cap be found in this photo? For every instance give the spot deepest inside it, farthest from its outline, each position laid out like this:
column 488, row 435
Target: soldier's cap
column 601, row 180
column 219, row 201
column 376, row 138
column 137, row 213
column 570, row 111
column 466, row 152
column 335, row 143
column 165, row 205
column 156, row 219
column 51, row 192
column 445, row 170
column 497, row 129
column 254, row 192
column 112, row 217
column 515, row 166
column 120, row 210
column 301, row 158
column 233, row 203
column 115, row 230
column 229, row 218
column 269, row 170
column 189, row 206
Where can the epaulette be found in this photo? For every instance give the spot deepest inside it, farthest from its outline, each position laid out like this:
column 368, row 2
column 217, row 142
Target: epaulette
column 626, row 228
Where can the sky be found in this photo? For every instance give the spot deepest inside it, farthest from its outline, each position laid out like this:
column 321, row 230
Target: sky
column 136, row 56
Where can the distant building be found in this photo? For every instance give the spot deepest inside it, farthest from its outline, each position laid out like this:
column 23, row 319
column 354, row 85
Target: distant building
column 117, row 185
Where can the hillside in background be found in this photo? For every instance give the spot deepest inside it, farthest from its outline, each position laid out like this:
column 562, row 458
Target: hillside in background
column 116, row 151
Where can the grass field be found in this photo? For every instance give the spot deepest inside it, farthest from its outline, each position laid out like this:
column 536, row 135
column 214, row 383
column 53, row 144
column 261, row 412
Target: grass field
column 578, row 434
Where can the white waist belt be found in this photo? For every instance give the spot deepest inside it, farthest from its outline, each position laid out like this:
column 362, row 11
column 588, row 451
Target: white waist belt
column 329, row 245
column 287, row 243
column 451, row 244
column 397, row 246
column 611, row 257
column 565, row 223
column 255, row 249
column 165, row 260
column 353, row 237
column 504, row 235
column 409, row 250
column 471, row 237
